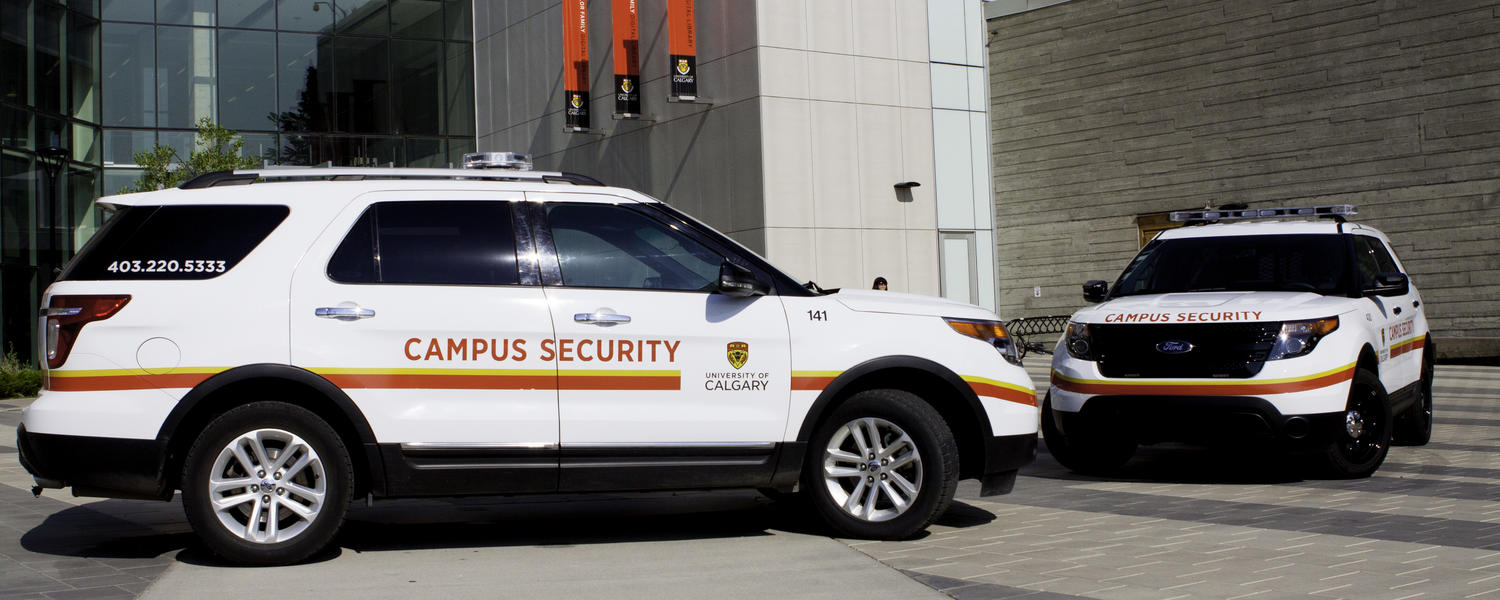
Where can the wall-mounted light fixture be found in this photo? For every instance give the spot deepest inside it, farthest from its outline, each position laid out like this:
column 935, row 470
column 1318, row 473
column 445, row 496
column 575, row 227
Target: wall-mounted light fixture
column 906, row 185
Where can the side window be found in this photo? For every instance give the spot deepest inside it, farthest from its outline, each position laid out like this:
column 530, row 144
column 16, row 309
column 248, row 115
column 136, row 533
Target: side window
column 1373, row 260
column 455, row 243
column 604, row 245
column 175, row 242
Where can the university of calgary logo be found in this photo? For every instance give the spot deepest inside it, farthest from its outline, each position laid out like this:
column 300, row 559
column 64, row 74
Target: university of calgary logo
column 576, row 101
column 682, row 66
column 626, row 85
column 739, row 352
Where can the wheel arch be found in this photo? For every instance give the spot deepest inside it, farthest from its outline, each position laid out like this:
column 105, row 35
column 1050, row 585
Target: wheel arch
column 1368, row 360
column 935, row 384
column 283, row 383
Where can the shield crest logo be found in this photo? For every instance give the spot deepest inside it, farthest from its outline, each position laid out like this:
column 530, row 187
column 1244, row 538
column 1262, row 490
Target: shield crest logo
column 577, row 100
column 626, row 85
column 739, row 352
column 682, row 66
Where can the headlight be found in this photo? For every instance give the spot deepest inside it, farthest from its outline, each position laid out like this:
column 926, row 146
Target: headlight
column 1080, row 344
column 991, row 332
column 1299, row 337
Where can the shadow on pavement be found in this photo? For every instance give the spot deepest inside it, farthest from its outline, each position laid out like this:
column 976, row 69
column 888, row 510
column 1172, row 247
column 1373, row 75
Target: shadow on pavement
column 89, row 532
column 1181, row 463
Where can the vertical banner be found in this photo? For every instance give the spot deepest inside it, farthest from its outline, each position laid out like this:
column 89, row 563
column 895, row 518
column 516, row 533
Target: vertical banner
column 683, row 47
column 576, row 64
column 627, row 60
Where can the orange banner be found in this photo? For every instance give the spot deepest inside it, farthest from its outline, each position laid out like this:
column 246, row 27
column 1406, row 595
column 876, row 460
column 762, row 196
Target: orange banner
column 576, row 64
column 682, row 45
column 627, row 59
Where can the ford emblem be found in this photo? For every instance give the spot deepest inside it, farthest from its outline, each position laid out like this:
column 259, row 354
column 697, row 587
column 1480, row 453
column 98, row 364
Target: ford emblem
column 1174, row 347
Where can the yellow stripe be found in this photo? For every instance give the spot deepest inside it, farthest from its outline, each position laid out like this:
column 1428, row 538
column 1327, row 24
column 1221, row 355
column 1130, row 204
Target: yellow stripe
column 1402, row 342
column 1010, row 386
column 1203, row 381
column 816, row 373
column 137, row 372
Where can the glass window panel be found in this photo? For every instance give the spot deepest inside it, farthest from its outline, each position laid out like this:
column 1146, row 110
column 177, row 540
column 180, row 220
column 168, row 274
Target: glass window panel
column 257, row 14
column 15, row 62
column 116, row 181
column 85, row 143
column 417, row 18
column 51, row 132
column 304, row 82
column 185, row 12
column 425, row 152
column 460, row 19
column 419, row 99
column 380, row 152
column 180, row 141
column 457, row 148
column 362, row 87
column 260, row 146
column 82, row 218
column 86, row 7
column 341, row 150
column 367, row 17
column 17, row 227
column 15, row 127
column 48, row 69
column 83, row 76
column 129, row 10
column 128, row 75
column 120, row 145
column 304, row 15
column 247, row 79
column 300, row 150
column 459, row 96
column 185, row 76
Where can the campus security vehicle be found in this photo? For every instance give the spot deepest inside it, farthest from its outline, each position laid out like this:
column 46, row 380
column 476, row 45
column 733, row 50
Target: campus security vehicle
column 1246, row 325
column 278, row 343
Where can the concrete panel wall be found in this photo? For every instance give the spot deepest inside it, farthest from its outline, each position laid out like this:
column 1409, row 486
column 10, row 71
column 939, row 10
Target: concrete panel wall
column 1107, row 109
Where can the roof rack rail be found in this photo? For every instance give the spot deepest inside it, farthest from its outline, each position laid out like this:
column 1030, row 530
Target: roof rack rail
column 249, row 176
column 1337, row 212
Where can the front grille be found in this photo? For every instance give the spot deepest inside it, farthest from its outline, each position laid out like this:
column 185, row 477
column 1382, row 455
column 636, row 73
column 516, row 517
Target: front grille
column 1226, row 350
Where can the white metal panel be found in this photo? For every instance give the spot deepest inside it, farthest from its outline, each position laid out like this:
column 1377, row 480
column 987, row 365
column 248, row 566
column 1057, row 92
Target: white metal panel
column 945, row 31
column 950, row 87
column 952, row 155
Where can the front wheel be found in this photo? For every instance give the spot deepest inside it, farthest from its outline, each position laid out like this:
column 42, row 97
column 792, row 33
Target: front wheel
column 1364, row 436
column 266, row 483
column 884, row 465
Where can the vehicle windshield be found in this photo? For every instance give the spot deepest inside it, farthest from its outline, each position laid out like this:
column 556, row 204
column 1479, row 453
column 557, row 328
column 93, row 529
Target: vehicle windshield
column 1293, row 263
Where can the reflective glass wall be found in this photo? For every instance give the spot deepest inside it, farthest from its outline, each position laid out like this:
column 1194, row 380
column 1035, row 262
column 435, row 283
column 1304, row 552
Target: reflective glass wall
column 49, row 151
column 305, row 82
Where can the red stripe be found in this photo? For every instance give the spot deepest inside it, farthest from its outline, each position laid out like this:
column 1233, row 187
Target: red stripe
column 1003, row 393
column 1409, row 346
column 813, row 384
column 125, row 382
column 1247, row 389
column 396, row 381
column 620, row 382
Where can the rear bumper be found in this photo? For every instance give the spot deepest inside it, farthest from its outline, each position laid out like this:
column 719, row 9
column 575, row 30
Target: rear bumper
column 96, row 466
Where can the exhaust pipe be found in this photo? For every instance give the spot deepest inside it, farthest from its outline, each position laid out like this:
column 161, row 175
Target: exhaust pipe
column 44, row 483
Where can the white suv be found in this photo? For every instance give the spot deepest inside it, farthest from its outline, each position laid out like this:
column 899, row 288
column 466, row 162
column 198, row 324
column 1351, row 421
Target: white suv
column 278, row 343
column 1305, row 333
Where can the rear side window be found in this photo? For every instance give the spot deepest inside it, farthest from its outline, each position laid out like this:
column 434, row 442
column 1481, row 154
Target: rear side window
column 454, row 243
column 174, row 242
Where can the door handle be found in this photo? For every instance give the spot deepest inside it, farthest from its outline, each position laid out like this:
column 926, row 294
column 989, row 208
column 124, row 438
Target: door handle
column 344, row 313
column 601, row 318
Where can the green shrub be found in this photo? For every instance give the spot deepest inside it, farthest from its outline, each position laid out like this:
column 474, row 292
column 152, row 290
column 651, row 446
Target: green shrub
column 18, row 379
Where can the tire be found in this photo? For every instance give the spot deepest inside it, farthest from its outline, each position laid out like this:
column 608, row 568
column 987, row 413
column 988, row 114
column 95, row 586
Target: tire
column 1358, row 448
column 1087, row 455
column 312, row 484
column 917, row 466
column 1414, row 426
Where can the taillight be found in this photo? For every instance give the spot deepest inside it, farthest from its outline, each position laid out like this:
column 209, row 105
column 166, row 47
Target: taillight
column 66, row 315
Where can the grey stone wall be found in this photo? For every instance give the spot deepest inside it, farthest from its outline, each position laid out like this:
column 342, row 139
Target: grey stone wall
column 1103, row 110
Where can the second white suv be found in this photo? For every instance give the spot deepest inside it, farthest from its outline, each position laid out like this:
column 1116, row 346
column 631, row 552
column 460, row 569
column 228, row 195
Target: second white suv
column 277, row 343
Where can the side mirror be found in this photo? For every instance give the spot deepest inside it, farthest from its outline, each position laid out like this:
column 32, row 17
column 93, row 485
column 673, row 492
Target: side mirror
column 736, row 281
column 1094, row 290
column 1390, row 284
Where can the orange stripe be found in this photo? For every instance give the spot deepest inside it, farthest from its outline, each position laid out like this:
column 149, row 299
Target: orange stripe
column 1247, row 389
column 1408, row 346
column 125, row 382
column 1003, row 393
column 814, row 384
column 619, row 382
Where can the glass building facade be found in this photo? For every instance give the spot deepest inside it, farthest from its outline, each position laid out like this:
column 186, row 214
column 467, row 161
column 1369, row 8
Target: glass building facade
column 84, row 84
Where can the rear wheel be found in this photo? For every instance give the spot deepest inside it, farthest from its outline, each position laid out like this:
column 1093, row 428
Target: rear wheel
column 884, row 465
column 266, row 483
column 1090, row 455
column 1414, row 426
column 1360, row 445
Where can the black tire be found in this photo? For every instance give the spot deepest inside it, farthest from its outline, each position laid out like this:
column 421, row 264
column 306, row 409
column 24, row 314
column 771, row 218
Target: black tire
column 1100, row 454
column 936, row 462
column 1363, row 438
column 1414, row 425
column 320, row 448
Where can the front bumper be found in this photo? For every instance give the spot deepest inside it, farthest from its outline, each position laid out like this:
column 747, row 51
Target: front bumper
column 1197, row 419
column 96, row 466
column 1004, row 456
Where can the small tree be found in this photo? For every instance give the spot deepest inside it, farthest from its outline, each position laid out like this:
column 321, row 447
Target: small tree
column 215, row 148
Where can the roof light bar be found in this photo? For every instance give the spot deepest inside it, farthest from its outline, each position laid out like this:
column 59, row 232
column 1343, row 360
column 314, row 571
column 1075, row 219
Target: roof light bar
column 515, row 161
column 1335, row 210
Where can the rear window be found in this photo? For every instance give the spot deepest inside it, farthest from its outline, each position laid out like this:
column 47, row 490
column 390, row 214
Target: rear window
column 174, row 242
